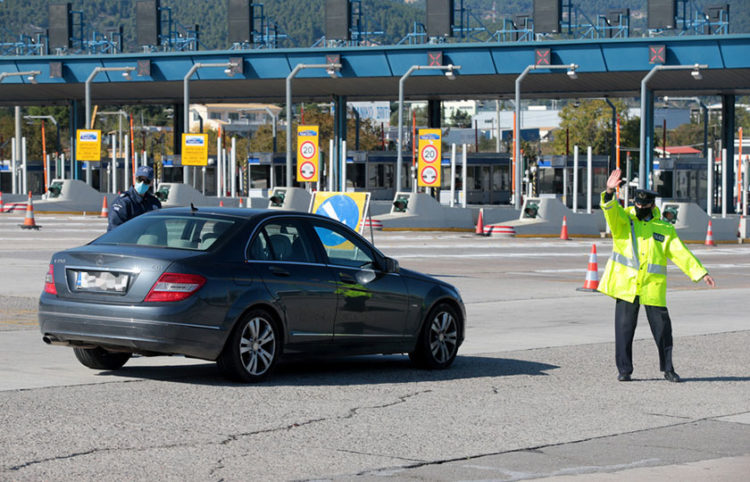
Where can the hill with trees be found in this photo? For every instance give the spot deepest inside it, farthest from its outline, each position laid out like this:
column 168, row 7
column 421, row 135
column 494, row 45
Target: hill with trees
column 303, row 21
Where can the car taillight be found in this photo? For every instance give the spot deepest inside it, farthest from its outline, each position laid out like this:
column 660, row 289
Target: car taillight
column 49, row 281
column 175, row 287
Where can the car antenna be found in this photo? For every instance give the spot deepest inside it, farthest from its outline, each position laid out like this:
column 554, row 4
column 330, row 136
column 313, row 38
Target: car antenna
column 193, row 208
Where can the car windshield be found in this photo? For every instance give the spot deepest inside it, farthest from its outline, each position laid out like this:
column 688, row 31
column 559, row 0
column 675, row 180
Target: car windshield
column 165, row 231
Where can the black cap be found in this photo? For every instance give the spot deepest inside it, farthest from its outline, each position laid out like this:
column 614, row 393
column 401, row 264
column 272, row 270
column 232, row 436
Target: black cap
column 644, row 196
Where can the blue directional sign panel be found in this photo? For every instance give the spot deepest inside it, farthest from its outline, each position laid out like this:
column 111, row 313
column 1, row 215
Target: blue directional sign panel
column 348, row 208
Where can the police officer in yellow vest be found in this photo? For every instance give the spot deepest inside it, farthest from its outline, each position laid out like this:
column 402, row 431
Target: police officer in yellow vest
column 636, row 274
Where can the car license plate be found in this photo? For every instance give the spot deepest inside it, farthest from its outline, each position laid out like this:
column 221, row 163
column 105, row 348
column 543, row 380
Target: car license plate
column 102, row 281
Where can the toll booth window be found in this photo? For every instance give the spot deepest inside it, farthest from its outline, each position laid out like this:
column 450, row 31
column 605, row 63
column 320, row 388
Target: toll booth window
column 277, row 199
column 380, row 175
column 55, row 190
column 531, row 210
column 259, row 177
column 400, row 204
column 163, row 193
column 670, row 212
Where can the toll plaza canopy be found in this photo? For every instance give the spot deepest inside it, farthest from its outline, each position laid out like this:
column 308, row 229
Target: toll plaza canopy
column 606, row 67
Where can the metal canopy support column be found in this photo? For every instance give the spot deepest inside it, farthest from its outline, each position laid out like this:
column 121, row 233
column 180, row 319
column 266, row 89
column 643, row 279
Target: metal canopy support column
column 339, row 135
column 178, row 129
column 77, row 119
column 434, row 114
column 727, row 140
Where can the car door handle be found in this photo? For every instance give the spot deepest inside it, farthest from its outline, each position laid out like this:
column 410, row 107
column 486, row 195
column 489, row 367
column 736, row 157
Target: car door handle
column 347, row 278
column 278, row 271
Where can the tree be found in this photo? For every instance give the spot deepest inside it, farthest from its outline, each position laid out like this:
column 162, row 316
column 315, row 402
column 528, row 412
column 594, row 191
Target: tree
column 460, row 118
column 588, row 123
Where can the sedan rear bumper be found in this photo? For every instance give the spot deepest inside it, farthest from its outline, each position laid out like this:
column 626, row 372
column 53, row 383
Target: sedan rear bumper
column 157, row 329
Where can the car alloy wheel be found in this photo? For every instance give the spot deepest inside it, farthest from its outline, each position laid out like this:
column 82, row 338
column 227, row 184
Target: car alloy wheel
column 438, row 345
column 257, row 346
column 443, row 337
column 253, row 348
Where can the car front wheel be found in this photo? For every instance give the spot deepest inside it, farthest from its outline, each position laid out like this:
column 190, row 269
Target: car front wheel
column 438, row 343
column 252, row 349
column 100, row 359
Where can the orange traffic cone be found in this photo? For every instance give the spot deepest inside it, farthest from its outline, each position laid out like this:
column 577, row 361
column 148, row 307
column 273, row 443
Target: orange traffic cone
column 480, row 223
column 28, row 222
column 564, row 230
column 592, row 273
column 2, row 205
column 221, row 204
column 105, row 209
column 709, row 235
column 241, row 203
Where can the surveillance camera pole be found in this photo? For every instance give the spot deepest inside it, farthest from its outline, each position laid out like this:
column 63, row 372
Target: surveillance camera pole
column 14, row 161
column 399, row 153
column 87, row 95
column 331, row 68
column 186, row 99
column 517, row 123
column 645, row 151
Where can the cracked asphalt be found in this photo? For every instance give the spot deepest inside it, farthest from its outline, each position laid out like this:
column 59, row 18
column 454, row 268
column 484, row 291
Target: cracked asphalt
column 532, row 395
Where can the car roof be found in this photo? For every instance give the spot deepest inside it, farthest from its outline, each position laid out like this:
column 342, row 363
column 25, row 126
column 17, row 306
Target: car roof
column 240, row 213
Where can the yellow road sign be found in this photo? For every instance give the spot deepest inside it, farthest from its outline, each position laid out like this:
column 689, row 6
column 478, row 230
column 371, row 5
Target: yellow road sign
column 430, row 154
column 194, row 149
column 89, row 145
column 308, row 154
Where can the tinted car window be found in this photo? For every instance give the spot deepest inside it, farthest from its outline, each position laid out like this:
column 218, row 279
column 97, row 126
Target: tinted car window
column 342, row 248
column 182, row 232
column 281, row 241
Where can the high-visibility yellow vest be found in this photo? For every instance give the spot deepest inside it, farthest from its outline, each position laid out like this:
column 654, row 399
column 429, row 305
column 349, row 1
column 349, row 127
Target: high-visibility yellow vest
column 638, row 266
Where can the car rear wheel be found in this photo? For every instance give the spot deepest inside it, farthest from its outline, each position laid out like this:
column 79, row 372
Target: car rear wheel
column 252, row 349
column 438, row 343
column 100, row 359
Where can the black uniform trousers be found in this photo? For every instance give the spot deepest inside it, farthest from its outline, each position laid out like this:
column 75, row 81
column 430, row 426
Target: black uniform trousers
column 626, row 318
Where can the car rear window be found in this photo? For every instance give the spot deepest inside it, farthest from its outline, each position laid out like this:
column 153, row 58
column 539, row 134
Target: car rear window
column 181, row 232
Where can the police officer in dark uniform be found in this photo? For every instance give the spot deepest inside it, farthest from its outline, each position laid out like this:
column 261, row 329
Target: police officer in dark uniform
column 136, row 200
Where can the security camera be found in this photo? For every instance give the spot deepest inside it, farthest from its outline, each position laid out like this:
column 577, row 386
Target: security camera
column 450, row 74
column 697, row 74
column 32, row 79
column 331, row 72
column 572, row 74
column 126, row 74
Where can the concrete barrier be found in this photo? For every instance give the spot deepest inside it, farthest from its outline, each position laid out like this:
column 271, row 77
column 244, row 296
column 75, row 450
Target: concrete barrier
column 419, row 211
column 72, row 196
column 543, row 216
column 289, row 199
column 691, row 222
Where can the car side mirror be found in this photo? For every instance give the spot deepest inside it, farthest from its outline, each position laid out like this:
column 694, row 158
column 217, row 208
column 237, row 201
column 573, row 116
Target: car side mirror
column 391, row 265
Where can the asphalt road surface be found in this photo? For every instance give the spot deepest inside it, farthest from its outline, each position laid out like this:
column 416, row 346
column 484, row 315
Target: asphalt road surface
column 533, row 393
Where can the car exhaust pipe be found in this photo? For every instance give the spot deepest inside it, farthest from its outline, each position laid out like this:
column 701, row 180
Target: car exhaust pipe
column 53, row 340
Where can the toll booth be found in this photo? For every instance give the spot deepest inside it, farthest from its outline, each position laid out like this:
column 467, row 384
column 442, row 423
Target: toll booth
column 487, row 175
column 554, row 176
column 683, row 179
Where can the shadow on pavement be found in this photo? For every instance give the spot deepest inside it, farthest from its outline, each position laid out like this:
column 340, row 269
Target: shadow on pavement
column 367, row 370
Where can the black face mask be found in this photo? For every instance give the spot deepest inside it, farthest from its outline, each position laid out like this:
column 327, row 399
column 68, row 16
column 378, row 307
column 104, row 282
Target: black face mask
column 642, row 213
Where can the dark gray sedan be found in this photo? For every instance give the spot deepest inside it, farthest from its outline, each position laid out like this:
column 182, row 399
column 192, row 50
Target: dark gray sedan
column 243, row 287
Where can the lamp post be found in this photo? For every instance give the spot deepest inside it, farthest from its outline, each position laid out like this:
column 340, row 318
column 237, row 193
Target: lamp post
column 331, row 70
column 449, row 73
column 31, row 77
column 571, row 68
column 645, row 151
column 228, row 69
column 87, row 93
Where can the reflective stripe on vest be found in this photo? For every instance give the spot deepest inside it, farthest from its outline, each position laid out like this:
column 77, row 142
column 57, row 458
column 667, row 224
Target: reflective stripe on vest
column 657, row 269
column 624, row 260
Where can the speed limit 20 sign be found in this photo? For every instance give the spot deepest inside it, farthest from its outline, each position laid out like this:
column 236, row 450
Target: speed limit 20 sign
column 307, row 153
column 430, row 153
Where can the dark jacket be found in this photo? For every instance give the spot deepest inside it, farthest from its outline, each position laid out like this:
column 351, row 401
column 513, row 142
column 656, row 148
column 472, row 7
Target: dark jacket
column 130, row 204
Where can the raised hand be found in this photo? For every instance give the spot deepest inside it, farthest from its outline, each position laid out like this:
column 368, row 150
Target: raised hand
column 614, row 180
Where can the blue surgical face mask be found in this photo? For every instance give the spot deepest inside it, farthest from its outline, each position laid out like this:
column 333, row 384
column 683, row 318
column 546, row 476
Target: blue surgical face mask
column 141, row 188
